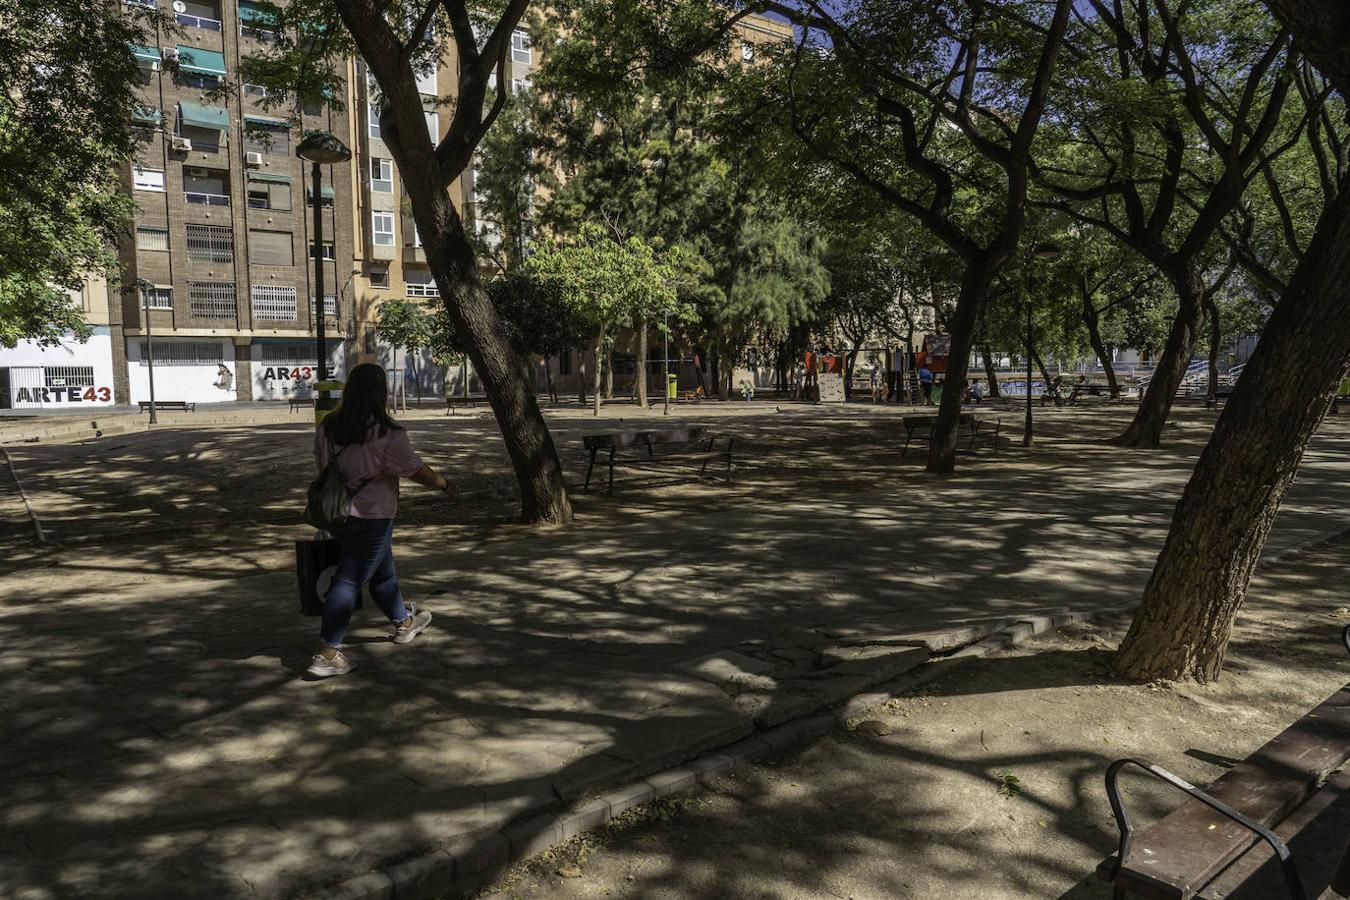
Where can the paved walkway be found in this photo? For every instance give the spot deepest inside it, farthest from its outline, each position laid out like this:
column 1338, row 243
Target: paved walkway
column 156, row 740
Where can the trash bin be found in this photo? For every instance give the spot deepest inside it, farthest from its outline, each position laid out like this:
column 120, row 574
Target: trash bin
column 671, row 379
column 324, row 401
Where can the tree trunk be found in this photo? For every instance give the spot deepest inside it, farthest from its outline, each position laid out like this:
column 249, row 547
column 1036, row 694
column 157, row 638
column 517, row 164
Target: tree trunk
column 974, row 285
column 640, row 376
column 989, row 372
column 609, row 373
column 1093, row 323
column 715, row 367
column 548, row 379
column 728, row 371
column 581, row 377
column 849, row 365
column 1184, row 621
column 1145, row 430
column 599, row 355
column 1045, row 376
column 1215, row 335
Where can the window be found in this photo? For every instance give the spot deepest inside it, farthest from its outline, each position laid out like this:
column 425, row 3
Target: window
column 210, row 243
column 373, row 118
column 327, row 251
column 274, row 302
column 152, row 238
column 68, row 376
column 296, row 355
column 520, row 47
column 209, row 187
column 520, row 85
column 269, row 191
column 382, row 228
column 147, row 179
column 184, row 353
column 414, row 239
column 157, row 297
column 328, row 195
column 198, row 15
column 420, row 283
column 382, row 175
column 426, row 84
column 254, row 22
column 212, row 300
column 265, row 137
column 748, row 52
column 329, row 306
column 270, row 248
column 433, row 125
column 205, row 140
column 254, row 90
column 379, row 278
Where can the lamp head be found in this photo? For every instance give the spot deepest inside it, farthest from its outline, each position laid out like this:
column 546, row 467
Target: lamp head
column 323, row 148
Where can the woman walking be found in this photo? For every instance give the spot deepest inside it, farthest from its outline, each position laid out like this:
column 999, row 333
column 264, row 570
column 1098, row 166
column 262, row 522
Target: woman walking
column 372, row 452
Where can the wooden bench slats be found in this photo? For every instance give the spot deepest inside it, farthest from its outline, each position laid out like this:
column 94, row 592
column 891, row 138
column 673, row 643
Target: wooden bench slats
column 1185, row 850
column 662, row 446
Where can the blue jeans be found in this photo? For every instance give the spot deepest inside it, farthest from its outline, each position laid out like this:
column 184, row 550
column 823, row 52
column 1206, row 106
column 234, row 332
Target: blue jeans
column 365, row 555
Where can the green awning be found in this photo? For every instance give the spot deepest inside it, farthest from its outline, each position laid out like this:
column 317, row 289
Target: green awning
column 264, row 176
column 251, row 12
column 150, row 115
column 200, row 62
column 217, row 118
column 268, row 121
column 148, row 54
column 328, row 193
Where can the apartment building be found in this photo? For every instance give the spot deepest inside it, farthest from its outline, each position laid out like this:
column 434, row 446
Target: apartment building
column 220, row 253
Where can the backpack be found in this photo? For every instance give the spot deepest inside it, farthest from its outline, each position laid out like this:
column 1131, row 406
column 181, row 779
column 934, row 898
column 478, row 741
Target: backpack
column 328, row 503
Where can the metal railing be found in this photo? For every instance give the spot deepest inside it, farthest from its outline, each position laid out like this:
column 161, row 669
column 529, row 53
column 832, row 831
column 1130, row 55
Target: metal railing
column 202, row 199
column 198, row 21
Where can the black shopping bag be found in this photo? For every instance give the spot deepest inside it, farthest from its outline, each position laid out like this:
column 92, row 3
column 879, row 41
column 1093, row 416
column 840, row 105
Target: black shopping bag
column 315, row 563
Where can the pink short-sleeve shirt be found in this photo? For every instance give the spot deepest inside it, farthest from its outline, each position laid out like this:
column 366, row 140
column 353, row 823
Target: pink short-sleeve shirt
column 380, row 462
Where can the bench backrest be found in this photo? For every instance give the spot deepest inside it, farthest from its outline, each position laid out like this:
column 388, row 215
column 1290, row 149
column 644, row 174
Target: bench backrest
column 621, row 439
column 1186, row 849
column 913, row 422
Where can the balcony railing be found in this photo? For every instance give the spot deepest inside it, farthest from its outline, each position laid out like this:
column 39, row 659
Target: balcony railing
column 206, row 199
column 198, row 22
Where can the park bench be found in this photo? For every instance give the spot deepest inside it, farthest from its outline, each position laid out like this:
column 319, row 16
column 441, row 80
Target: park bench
column 176, row 405
column 1216, row 841
column 470, row 401
column 1219, row 399
column 301, row 403
column 676, row 445
column 978, row 429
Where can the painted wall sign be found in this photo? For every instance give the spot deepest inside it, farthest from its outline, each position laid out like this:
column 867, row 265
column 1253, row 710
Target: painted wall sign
column 74, row 394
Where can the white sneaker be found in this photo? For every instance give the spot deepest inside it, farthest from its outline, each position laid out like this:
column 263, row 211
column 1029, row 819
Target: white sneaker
column 323, row 667
column 418, row 622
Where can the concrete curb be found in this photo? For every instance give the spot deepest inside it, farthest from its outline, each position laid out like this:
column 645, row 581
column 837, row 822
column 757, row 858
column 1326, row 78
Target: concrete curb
column 477, row 860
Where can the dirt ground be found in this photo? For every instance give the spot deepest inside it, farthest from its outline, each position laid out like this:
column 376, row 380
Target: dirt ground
column 157, row 739
column 921, row 811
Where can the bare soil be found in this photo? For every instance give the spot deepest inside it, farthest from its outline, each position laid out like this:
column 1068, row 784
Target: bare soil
column 987, row 782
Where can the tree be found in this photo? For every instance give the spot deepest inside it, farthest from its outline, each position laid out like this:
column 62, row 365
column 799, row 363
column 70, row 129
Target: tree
column 404, row 323
column 1177, row 111
column 397, row 41
column 1185, row 619
column 914, row 108
column 607, row 283
column 67, row 79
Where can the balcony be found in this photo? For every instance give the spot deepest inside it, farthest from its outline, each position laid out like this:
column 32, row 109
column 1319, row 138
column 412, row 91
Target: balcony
column 198, row 22
column 200, row 199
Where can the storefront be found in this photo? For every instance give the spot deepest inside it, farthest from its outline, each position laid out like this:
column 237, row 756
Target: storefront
column 67, row 376
column 287, row 369
column 191, row 369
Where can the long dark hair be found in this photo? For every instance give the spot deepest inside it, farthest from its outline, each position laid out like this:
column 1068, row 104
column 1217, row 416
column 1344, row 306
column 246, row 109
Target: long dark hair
column 362, row 409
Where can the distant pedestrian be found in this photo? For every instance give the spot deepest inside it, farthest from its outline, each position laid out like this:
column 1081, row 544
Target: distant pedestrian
column 876, row 384
column 926, row 383
column 373, row 453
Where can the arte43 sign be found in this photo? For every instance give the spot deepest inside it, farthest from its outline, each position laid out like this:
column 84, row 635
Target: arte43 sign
column 282, row 373
column 63, row 395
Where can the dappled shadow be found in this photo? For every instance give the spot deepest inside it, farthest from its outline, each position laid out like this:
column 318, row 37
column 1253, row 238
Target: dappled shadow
column 154, row 731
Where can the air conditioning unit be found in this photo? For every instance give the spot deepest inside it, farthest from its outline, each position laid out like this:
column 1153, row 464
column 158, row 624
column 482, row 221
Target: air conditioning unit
column 253, row 160
column 170, row 53
column 182, row 144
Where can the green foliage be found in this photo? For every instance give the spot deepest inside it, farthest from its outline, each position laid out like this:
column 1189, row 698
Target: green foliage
column 67, row 77
column 407, row 324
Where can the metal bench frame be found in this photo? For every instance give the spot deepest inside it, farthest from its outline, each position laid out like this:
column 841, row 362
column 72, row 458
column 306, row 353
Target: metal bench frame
column 924, row 425
column 615, row 441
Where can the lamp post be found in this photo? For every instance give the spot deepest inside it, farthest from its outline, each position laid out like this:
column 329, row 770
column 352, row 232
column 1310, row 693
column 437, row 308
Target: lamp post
column 145, row 287
column 1041, row 251
column 321, row 148
column 665, row 357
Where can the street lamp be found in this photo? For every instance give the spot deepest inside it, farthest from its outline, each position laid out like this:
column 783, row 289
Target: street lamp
column 321, row 149
column 145, row 287
column 1041, row 251
column 665, row 357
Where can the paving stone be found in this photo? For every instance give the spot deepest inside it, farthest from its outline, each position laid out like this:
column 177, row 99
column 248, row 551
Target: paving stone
column 426, row 877
column 533, row 835
column 586, row 818
column 622, row 799
column 671, row 781
column 726, row 665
